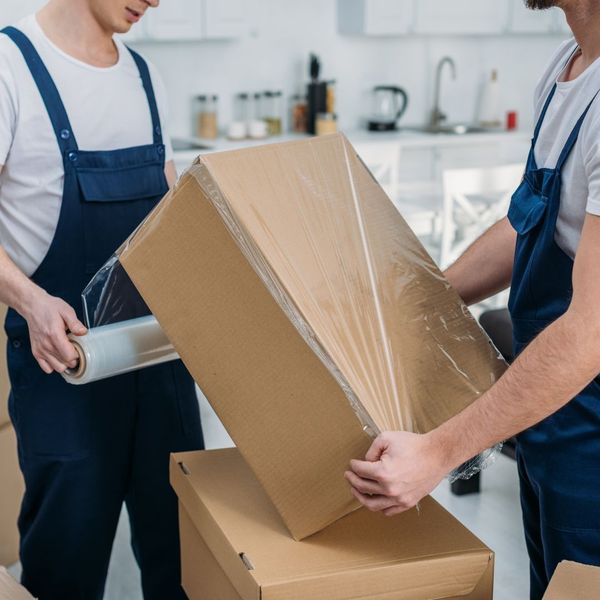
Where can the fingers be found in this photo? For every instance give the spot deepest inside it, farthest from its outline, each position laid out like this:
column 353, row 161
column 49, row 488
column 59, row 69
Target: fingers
column 74, row 325
column 395, row 510
column 378, row 447
column 364, row 486
column 44, row 365
column 366, row 469
column 374, row 503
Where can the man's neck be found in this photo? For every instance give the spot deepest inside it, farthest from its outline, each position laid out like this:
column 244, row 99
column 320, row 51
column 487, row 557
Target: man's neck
column 71, row 25
column 584, row 20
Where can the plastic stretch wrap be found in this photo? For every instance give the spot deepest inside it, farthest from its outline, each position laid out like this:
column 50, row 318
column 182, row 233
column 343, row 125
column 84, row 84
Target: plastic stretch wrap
column 119, row 348
column 352, row 278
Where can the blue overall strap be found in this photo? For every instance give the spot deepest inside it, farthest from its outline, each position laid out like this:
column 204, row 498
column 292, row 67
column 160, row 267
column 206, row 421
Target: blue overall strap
column 147, row 83
column 562, row 159
column 538, row 125
column 47, row 88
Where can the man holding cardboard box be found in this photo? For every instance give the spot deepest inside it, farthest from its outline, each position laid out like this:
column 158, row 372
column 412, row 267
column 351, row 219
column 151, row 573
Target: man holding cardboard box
column 83, row 450
column 552, row 391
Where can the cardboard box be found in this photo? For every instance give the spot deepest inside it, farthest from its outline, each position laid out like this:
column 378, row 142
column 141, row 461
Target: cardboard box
column 12, row 488
column 574, row 581
column 236, row 547
column 10, row 589
column 299, row 298
column 4, row 382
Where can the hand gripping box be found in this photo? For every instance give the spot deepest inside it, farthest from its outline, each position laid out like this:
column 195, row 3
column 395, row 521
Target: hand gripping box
column 308, row 313
column 236, row 547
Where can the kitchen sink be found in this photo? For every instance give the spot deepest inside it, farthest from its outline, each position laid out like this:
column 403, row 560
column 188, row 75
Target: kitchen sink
column 450, row 129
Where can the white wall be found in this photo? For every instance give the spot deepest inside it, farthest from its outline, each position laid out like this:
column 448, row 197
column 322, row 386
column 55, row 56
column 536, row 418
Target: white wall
column 283, row 32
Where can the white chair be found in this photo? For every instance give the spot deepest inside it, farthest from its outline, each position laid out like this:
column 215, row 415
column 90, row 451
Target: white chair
column 418, row 202
column 473, row 200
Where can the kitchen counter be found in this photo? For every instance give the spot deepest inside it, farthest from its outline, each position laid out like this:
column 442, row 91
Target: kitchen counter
column 407, row 138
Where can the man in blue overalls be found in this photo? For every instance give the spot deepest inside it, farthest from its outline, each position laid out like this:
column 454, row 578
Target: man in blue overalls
column 549, row 248
column 83, row 162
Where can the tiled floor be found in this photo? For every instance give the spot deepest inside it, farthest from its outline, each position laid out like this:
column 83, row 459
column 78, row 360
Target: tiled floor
column 493, row 515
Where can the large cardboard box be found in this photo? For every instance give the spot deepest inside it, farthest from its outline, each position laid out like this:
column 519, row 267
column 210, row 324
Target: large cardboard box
column 4, row 382
column 11, row 494
column 236, row 547
column 574, row 581
column 309, row 314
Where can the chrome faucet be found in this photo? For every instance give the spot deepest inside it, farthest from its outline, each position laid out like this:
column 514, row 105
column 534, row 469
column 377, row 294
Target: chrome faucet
column 437, row 116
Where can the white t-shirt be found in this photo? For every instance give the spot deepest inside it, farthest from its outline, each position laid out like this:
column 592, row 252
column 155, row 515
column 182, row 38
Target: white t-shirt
column 581, row 173
column 108, row 110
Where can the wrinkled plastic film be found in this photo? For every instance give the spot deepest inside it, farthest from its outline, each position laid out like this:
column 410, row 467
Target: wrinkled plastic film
column 349, row 275
column 119, row 348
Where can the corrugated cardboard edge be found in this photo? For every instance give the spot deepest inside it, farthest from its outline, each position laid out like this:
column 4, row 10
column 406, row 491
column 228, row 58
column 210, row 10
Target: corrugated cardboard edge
column 12, row 485
column 9, row 588
column 225, row 554
column 574, row 581
column 248, row 586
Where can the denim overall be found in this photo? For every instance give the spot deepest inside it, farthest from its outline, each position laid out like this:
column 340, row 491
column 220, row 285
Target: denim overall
column 559, row 458
column 83, row 450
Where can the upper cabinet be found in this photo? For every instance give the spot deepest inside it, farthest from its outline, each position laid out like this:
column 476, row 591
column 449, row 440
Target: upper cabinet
column 461, row 16
column 179, row 20
column 446, row 17
column 525, row 20
column 224, row 18
column 175, row 20
column 375, row 17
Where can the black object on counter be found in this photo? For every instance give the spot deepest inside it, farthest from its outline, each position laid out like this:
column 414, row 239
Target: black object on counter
column 316, row 94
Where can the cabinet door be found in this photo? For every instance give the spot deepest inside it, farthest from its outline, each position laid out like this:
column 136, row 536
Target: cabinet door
column 375, row 17
column 461, row 16
column 525, row 20
column 175, row 20
column 388, row 17
column 224, row 18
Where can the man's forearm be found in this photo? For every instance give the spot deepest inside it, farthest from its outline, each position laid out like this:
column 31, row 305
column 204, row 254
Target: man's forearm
column 16, row 289
column 486, row 267
column 554, row 368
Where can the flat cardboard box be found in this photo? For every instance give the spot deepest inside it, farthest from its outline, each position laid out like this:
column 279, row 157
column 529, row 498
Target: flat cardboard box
column 11, row 493
column 341, row 313
column 236, row 547
column 574, row 581
column 4, row 382
column 10, row 589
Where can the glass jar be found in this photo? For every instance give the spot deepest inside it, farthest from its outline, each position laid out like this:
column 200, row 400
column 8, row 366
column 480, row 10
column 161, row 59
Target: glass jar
column 273, row 112
column 298, row 114
column 241, row 107
column 207, row 123
column 326, row 123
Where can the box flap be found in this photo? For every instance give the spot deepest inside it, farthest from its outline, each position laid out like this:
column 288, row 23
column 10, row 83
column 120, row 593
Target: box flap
column 574, row 581
column 10, row 589
column 427, row 553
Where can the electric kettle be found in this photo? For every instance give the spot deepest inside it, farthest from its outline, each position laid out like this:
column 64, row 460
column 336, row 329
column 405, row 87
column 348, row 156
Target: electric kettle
column 389, row 104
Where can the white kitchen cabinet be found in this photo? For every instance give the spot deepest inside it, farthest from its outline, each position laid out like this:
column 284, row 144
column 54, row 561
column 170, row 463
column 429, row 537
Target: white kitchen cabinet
column 181, row 20
column 461, row 16
column 375, row 17
column 224, row 18
column 525, row 20
column 175, row 20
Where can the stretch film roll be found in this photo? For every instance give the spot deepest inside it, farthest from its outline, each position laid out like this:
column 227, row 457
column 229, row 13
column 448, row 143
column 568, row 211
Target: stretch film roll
column 119, row 348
